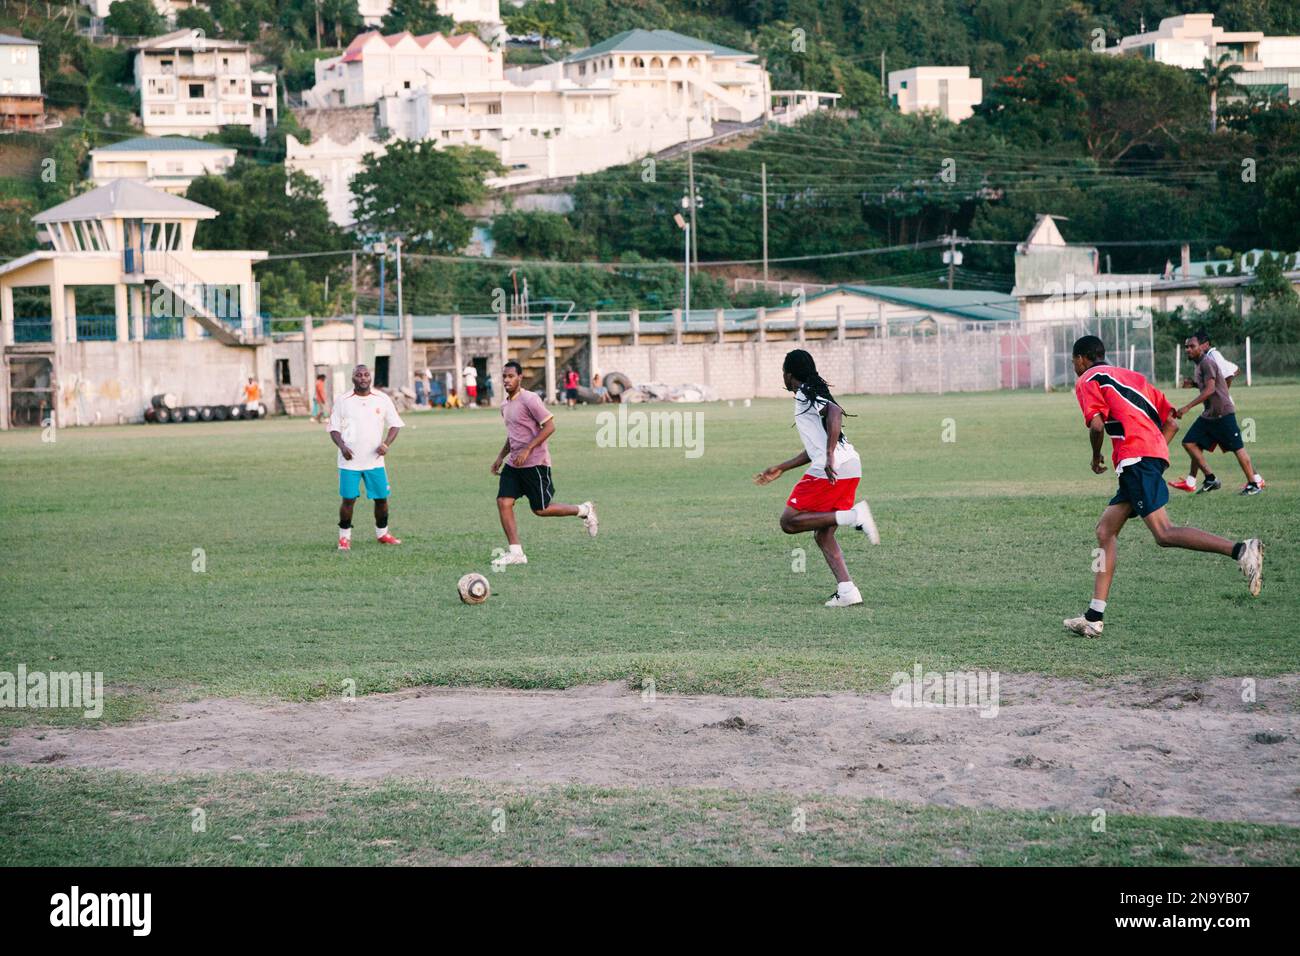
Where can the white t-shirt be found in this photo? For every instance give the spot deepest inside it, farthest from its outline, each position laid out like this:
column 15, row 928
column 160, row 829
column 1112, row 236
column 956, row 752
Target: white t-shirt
column 363, row 421
column 471, row 376
column 812, row 430
column 1228, row 369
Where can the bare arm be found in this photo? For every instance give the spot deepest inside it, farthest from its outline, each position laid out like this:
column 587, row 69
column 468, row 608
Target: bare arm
column 771, row 474
column 1097, row 436
column 834, row 418
column 387, row 443
column 337, row 438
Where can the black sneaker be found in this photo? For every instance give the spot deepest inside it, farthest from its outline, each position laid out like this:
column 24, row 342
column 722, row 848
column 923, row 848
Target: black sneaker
column 1251, row 489
column 1210, row 484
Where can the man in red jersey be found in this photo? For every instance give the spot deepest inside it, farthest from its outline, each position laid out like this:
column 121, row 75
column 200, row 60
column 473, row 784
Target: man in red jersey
column 1140, row 422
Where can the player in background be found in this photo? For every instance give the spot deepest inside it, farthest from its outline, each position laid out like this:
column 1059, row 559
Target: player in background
column 1217, row 425
column 822, row 500
column 1140, row 422
column 524, row 465
column 356, row 426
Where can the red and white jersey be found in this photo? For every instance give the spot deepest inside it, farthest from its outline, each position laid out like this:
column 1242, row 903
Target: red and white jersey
column 1133, row 409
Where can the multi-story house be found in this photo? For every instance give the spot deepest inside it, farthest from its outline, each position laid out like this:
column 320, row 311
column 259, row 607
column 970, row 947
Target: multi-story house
column 21, row 104
column 487, row 12
column 332, row 164
column 193, row 85
column 374, row 66
column 1269, row 65
column 169, row 163
column 948, row 90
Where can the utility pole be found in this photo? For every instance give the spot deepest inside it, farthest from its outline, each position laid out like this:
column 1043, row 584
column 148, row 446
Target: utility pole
column 764, row 167
column 690, row 182
column 952, row 258
column 318, row 24
column 884, row 90
column 401, row 316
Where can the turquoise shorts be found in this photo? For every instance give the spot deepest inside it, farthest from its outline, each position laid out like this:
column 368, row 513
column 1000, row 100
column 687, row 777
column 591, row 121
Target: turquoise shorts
column 376, row 480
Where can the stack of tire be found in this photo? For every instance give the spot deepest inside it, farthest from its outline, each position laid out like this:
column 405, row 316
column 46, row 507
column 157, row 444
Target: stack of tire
column 166, row 408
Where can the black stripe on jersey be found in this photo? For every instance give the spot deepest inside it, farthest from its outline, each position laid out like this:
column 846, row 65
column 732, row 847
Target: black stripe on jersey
column 1130, row 395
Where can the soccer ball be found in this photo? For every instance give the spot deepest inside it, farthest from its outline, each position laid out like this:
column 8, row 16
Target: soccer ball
column 473, row 588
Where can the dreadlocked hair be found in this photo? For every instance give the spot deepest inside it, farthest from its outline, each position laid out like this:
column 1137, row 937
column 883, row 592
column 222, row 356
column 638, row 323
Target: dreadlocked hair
column 812, row 387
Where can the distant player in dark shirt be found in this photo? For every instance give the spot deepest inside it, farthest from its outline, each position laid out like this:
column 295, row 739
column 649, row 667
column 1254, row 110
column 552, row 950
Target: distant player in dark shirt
column 1140, row 422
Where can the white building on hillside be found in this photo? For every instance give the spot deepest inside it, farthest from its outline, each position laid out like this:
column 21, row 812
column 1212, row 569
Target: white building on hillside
column 1270, row 65
column 374, row 66
column 169, row 163
column 332, row 165
column 634, row 94
column 22, row 106
column 487, row 12
column 193, row 85
column 948, row 90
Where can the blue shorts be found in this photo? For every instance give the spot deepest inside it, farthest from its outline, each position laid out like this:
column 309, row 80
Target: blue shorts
column 1206, row 433
column 376, row 480
column 1142, row 485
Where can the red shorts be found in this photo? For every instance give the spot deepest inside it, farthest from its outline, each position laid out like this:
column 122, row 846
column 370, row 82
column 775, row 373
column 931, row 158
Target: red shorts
column 818, row 494
column 471, row 391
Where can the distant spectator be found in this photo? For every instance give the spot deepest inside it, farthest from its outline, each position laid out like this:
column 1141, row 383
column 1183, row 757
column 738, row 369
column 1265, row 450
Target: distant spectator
column 428, row 385
column 602, row 394
column 471, row 384
column 571, row 387
column 252, row 396
column 453, row 400
column 318, row 411
column 487, row 389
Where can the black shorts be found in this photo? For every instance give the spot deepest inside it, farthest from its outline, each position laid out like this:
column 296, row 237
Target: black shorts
column 571, row 393
column 1206, row 433
column 1142, row 485
column 533, row 483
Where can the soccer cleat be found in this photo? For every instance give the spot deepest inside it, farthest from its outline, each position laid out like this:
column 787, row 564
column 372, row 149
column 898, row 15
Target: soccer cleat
column 866, row 522
column 345, row 544
column 1084, row 627
column 1211, row 484
column 1182, row 484
column 590, row 520
column 510, row 557
column 845, row 600
column 1251, row 488
column 1251, row 563
column 389, row 539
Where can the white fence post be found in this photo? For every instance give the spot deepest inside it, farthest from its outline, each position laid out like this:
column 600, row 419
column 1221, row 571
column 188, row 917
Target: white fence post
column 1248, row 361
column 1047, row 368
column 1132, row 357
column 1178, row 367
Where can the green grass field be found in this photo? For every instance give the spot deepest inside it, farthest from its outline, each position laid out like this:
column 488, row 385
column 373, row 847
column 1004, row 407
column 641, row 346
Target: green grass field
column 987, row 545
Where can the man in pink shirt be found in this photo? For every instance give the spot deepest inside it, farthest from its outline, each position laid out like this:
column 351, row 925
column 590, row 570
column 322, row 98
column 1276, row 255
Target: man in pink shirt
column 524, row 465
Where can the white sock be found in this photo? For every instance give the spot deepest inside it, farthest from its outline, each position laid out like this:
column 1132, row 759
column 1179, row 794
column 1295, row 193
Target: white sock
column 516, row 549
column 584, row 510
column 845, row 588
column 1258, row 479
column 1098, row 606
column 345, row 534
column 1191, row 480
column 380, row 532
column 843, row 518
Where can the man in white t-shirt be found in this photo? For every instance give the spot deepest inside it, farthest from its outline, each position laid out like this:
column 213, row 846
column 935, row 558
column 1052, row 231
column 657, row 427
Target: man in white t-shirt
column 357, row 426
column 471, row 384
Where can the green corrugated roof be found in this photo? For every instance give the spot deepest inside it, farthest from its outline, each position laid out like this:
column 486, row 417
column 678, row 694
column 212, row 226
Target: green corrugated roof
column 160, row 142
column 655, row 41
column 997, row 306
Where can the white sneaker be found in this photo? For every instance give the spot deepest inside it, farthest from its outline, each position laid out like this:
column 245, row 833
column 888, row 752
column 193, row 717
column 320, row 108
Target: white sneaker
column 1251, row 563
column 866, row 523
column 510, row 557
column 590, row 520
column 854, row 596
column 1084, row 627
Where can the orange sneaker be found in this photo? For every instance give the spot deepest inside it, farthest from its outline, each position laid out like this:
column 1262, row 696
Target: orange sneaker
column 388, row 539
column 1182, row 484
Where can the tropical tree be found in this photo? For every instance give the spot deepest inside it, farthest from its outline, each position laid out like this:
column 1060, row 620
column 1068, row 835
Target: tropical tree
column 1218, row 78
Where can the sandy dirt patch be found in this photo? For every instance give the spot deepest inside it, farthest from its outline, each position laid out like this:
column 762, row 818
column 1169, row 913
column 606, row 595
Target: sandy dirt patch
column 1186, row 748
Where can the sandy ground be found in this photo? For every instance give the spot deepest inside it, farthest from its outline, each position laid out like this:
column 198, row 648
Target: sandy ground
column 1190, row 748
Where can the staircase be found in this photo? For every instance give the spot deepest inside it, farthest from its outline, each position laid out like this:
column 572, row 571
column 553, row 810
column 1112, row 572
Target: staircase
column 191, row 291
column 293, row 400
column 530, row 352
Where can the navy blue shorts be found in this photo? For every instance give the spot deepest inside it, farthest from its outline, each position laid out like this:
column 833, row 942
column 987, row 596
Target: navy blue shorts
column 1142, row 485
column 1206, row 433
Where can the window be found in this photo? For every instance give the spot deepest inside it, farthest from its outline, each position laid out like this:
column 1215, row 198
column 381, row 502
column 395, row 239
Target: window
column 381, row 371
column 494, row 109
column 196, row 91
column 18, row 54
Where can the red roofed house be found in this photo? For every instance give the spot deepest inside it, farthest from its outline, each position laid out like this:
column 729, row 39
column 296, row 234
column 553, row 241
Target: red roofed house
column 374, row 66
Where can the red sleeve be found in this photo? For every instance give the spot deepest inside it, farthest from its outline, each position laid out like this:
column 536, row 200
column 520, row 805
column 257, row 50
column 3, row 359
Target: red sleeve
column 1163, row 408
column 1091, row 401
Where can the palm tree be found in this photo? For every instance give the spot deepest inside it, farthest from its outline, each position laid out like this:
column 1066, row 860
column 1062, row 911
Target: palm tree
column 1217, row 78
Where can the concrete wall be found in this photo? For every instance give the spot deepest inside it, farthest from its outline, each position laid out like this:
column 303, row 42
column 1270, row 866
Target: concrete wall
column 111, row 382
column 878, row 366
column 341, row 125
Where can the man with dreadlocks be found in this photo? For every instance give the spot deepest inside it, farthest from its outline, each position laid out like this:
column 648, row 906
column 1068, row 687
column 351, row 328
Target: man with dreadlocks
column 822, row 500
